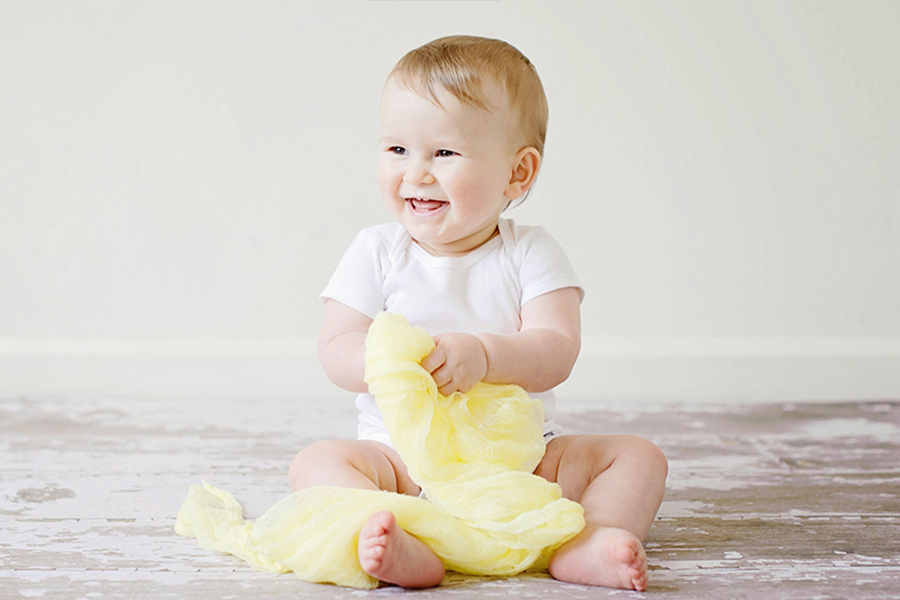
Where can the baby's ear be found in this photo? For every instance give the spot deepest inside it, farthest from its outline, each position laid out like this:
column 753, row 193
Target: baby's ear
column 525, row 170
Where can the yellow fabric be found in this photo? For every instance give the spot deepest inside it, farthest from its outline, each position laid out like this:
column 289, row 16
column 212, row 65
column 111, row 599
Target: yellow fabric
column 472, row 454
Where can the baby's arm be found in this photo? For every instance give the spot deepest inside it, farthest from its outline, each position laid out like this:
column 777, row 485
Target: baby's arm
column 538, row 358
column 342, row 346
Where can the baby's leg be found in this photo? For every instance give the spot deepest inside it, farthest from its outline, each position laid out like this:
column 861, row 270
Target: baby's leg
column 385, row 551
column 620, row 482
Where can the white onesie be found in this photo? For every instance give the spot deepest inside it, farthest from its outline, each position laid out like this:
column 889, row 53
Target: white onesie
column 480, row 292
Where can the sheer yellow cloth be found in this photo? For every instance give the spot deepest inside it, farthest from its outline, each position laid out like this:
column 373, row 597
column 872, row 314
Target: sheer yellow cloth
column 472, row 454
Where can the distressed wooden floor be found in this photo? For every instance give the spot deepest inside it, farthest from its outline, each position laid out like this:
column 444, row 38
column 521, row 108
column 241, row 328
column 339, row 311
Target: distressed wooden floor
column 769, row 502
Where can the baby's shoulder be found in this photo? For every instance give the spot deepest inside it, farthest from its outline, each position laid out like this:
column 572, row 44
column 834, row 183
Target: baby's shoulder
column 385, row 237
column 385, row 243
column 521, row 240
column 385, row 232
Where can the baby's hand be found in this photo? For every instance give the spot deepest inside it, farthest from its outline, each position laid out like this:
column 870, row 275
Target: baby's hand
column 458, row 362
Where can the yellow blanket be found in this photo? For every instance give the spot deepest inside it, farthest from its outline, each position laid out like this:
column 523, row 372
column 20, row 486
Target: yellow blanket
column 472, row 454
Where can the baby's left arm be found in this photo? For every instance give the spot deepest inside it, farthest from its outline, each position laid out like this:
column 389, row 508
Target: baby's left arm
column 538, row 358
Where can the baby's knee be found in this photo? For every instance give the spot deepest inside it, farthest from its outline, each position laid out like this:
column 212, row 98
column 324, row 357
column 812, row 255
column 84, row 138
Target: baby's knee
column 317, row 460
column 648, row 452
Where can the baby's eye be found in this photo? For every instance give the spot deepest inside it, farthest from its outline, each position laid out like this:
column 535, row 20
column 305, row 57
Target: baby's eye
column 445, row 153
column 397, row 150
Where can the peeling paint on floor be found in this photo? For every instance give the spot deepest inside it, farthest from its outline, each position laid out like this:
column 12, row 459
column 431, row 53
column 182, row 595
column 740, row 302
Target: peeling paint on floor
column 763, row 501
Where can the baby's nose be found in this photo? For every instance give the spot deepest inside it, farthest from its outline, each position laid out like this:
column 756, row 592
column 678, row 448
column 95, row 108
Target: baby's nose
column 418, row 175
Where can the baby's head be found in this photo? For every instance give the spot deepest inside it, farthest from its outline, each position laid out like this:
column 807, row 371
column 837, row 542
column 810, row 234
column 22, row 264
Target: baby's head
column 465, row 66
column 463, row 121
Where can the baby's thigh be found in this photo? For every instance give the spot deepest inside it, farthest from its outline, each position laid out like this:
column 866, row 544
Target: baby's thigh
column 362, row 464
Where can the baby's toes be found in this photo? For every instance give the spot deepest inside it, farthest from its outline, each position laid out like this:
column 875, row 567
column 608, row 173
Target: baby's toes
column 626, row 552
column 639, row 574
column 376, row 551
column 639, row 581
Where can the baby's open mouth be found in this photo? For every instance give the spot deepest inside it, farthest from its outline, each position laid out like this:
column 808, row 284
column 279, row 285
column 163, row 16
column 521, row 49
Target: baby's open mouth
column 424, row 205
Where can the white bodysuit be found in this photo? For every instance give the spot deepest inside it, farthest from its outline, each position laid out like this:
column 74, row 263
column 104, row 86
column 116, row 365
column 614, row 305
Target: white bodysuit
column 480, row 292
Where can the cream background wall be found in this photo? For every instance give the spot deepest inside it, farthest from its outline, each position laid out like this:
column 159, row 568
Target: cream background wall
column 178, row 180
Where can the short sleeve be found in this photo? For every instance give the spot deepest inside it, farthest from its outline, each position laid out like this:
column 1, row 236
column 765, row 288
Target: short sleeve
column 543, row 264
column 358, row 280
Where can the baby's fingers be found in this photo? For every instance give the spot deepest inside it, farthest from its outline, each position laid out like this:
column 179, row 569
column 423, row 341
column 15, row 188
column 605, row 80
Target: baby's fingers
column 444, row 381
column 434, row 360
column 447, row 382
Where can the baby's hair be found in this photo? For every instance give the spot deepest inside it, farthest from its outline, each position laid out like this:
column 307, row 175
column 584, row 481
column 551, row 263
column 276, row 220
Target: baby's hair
column 462, row 65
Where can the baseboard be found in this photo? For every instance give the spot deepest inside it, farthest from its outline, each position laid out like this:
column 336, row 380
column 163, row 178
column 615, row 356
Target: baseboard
column 736, row 370
column 185, row 368
column 646, row 370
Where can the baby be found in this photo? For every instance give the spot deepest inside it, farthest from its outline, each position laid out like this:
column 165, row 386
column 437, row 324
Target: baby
column 463, row 123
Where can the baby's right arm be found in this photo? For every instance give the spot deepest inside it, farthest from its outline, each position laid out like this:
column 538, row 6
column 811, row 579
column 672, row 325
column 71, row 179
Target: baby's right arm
column 342, row 346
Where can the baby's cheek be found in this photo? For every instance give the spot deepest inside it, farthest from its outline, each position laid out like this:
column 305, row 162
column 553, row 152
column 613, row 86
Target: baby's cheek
column 384, row 179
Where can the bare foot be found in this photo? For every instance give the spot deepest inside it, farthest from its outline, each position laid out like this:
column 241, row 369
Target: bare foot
column 391, row 555
column 602, row 556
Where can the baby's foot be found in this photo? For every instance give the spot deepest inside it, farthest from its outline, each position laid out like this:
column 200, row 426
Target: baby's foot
column 389, row 554
column 602, row 556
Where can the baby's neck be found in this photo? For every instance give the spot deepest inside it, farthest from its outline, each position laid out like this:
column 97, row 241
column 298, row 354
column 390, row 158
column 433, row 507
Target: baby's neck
column 460, row 248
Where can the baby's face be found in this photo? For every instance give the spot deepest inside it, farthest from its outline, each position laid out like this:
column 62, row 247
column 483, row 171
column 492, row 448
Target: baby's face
column 444, row 173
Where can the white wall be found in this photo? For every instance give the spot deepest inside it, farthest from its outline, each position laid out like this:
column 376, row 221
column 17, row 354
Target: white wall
column 178, row 179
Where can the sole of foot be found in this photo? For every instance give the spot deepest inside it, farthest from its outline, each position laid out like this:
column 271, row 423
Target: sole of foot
column 391, row 555
column 602, row 556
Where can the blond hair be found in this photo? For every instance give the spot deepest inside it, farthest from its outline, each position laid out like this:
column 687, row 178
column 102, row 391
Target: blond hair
column 462, row 65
